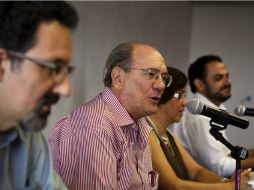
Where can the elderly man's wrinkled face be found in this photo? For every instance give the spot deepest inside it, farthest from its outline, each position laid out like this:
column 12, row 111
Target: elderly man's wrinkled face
column 141, row 91
column 32, row 87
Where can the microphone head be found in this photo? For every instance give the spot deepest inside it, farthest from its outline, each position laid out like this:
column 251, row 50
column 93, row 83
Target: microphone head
column 240, row 110
column 195, row 106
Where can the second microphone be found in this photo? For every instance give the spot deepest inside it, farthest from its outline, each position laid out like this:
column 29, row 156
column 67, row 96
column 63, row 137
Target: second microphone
column 195, row 106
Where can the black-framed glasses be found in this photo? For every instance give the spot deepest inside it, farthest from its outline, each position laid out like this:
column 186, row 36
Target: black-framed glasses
column 179, row 95
column 155, row 74
column 59, row 69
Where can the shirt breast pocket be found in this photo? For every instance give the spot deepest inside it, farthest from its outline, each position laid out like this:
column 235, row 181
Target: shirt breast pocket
column 153, row 178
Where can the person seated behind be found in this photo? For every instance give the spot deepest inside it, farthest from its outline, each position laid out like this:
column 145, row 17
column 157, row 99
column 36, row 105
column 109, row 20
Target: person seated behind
column 104, row 144
column 177, row 169
column 210, row 82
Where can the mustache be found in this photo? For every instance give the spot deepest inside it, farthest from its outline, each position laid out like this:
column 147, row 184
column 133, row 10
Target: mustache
column 48, row 99
column 51, row 98
column 226, row 86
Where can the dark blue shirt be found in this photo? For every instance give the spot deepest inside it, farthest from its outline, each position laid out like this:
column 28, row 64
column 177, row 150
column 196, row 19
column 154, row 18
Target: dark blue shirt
column 25, row 162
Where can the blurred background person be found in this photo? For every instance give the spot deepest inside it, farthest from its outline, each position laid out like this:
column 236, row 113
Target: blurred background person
column 35, row 55
column 177, row 169
column 210, row 83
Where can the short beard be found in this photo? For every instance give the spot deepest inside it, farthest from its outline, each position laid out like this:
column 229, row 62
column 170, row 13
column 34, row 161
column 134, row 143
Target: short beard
column 221, row 98
column 33, row 122
column 37, row 119
column 217, row 96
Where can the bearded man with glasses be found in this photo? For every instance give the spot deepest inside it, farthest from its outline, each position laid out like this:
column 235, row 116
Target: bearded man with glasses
column 35, row 52
column 105, row 143
column 210, row 82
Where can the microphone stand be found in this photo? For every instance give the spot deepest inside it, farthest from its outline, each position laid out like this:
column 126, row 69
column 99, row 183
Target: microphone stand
column 238, row 153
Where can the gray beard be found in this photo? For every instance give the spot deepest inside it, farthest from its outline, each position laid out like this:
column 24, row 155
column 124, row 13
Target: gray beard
column 37, row 119
column 33, row 122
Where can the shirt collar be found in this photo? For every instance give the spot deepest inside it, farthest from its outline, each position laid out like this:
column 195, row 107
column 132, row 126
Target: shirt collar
column 11, row 135
column 122, row 117
column 205, row 100
column 21, row 133
column 7, row 137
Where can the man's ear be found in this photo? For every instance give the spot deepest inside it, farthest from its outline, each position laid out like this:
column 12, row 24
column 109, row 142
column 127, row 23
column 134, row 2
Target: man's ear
column 117, row 76
column 3, row 57
column 199, row 85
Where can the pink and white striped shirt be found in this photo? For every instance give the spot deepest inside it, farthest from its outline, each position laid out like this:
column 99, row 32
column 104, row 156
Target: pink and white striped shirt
column 99, row 146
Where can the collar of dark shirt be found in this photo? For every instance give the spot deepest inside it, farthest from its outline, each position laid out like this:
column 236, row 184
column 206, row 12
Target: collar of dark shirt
column 7, row 137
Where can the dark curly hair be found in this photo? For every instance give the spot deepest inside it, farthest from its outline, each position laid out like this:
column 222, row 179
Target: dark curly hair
column 197, row 69
column 20, row 21
column 179, row 81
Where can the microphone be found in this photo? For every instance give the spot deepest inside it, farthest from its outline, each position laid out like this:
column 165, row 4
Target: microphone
column 242, row 110
column 195, row 106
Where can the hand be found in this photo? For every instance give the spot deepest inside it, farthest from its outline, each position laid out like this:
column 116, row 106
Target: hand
column 244, row 182
column 244, row 179
column 245, row 173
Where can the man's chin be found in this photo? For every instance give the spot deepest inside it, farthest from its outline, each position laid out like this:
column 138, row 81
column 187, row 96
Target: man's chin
column 152, row 111
column 34, row 122
column 225, row 97
column 37, row 119
column 44, row 114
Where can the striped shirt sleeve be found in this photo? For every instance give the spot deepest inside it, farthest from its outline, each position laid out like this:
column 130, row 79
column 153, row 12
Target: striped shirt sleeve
column 73, row 161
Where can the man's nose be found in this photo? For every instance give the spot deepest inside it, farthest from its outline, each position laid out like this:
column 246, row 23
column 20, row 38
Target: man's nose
column 64, row 88
column 184, row 101
column 159, row 83
column 227, row 80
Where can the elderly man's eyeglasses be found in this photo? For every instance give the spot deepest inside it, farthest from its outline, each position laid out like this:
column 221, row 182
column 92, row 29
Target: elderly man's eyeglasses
column 59, row 69
column 155, row 74
column 179, row 96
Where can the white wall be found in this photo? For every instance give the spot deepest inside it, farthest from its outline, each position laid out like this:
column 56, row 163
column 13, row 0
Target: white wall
column 103, row 25
column 182, row 31
column 227, row 29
